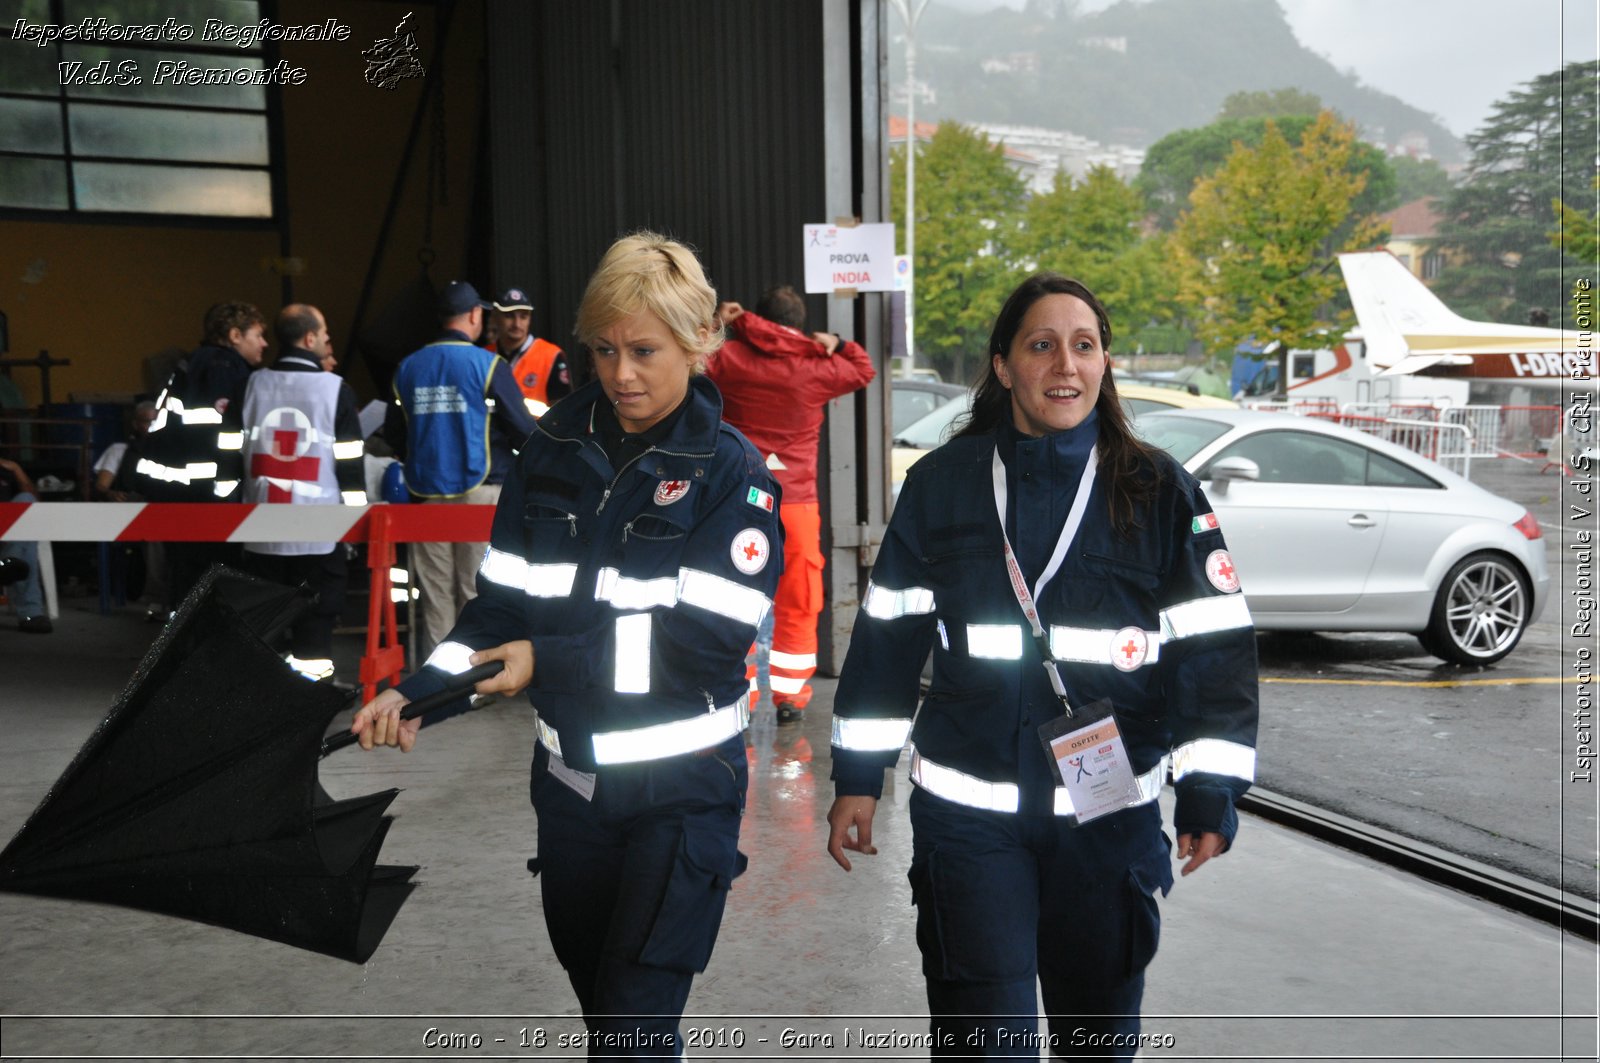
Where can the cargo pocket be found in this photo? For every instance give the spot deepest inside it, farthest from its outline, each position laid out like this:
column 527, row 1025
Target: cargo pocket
column 685, row 927
column 1148, row 874
column 930, row 936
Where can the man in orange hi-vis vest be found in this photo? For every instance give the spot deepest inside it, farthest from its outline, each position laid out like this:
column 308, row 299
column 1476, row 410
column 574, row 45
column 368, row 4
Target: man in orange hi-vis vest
column 538, row 366
column 776, row 380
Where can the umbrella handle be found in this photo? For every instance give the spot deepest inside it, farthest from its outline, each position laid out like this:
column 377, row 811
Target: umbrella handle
column 460, row 686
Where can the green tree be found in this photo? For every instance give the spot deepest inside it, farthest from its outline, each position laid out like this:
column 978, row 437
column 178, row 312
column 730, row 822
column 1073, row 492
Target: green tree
column 969, row 201
column 1176, row 161
column 1577, row 233
column 1416, row 179
column 1256, row 247
column 1500, row 264
column 1093, row 230
column 1276, row 104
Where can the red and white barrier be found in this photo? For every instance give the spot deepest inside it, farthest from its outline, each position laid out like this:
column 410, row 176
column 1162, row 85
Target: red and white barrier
column 379, row 526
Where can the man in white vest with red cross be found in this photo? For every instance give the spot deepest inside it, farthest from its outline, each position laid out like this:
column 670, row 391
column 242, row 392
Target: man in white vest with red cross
column 303, row 445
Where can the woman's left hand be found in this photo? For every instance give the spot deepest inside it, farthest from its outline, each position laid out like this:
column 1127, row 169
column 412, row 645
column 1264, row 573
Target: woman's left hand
column 516, row 672
column 1199, row 848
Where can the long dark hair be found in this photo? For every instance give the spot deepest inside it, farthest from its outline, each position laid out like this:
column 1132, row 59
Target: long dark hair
column 1129, row 464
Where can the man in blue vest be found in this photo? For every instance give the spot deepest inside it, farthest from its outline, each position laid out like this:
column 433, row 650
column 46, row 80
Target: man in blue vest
column 457, row 423
column 302, row 444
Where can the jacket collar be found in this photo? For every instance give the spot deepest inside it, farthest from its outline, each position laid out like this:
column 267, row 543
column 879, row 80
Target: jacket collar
column 692, row 439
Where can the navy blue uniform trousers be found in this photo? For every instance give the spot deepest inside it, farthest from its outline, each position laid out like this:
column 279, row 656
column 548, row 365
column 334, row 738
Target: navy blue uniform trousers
column 1004, row 899
column 634, row 884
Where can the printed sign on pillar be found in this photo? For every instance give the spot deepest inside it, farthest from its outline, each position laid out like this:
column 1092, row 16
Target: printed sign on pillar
column 849, row 257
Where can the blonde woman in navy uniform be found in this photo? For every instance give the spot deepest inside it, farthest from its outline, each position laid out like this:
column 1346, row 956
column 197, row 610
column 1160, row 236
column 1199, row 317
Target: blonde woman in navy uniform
column 1052, row 562
column 635, row 551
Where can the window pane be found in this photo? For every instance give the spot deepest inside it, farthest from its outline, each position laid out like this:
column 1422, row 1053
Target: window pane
column 28, row 69
column 37, row 183
column 137, row 133
column 249, row 97
column 173, row 190
column 32, row 10
column 30, row 125
column 1387, row 472
column 154, row 12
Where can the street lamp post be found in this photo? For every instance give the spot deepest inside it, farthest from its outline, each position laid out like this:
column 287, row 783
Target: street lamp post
column 911, row 11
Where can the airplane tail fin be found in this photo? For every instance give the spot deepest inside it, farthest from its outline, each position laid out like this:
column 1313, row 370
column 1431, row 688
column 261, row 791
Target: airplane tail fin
column 1390, row 302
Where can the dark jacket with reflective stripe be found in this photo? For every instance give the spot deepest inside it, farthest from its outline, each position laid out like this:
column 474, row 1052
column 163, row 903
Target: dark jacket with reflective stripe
column 592, row 545
column 1171, row 649
column 212, row 378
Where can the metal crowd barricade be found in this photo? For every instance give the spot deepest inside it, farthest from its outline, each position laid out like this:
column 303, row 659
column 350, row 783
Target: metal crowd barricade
column 379, row 526
column 1448, row 444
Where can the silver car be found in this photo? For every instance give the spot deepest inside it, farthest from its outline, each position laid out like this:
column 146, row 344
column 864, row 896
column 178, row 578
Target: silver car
column 1333, row 530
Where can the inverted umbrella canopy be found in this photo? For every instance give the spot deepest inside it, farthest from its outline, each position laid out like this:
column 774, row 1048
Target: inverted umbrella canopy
column 197, row 796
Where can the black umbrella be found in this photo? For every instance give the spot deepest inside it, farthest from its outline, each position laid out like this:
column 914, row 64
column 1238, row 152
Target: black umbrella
column 197, row 796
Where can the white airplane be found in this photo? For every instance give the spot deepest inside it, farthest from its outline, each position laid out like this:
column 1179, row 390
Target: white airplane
column 1407, row 329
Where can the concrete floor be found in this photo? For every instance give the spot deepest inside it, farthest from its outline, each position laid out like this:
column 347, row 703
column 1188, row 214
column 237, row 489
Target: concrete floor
column 1286, row 948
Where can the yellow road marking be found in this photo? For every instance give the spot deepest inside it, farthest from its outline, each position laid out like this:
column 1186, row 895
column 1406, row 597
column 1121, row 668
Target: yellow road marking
column 1507, row 682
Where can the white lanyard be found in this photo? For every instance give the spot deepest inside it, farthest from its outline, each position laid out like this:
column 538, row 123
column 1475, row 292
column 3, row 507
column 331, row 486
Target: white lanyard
column 1019, row 583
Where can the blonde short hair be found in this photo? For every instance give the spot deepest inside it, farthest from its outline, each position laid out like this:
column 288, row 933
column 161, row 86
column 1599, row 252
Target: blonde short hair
column 647, row 271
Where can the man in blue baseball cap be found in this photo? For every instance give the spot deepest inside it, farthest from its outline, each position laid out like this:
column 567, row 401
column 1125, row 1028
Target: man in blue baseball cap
column 456, row 424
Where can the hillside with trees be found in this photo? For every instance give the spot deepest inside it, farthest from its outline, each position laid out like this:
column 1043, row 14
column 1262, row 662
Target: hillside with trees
column 1134, row 72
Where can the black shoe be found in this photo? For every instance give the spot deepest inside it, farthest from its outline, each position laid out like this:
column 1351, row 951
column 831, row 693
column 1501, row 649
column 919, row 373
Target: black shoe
column 36, row 625
column 788, row 713
column 13, row 569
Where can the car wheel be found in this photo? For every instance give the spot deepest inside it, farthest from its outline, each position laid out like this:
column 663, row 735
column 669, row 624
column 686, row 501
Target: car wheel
column 1481, row 610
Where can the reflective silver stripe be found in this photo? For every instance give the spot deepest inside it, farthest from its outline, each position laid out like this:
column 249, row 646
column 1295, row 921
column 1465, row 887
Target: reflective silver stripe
column 353, row 498
column 538, row 581
column 779, row 659
column 870, row 736
column 548, row 736
column 635, row 594
column 195, row 470
column 999, row 642
column 881, row 603
column 452, row 657
column 722, row 596
column 204, row 415
column 1205, row 615
column 348, row 450
column 1216, row 756
column 964, row 789
column 632, row 673
column 311, row 668
column 785, row 684
column 672, row 739
column 230, row 440
column 224, row 488
column 1089, row 645
column 944, row 637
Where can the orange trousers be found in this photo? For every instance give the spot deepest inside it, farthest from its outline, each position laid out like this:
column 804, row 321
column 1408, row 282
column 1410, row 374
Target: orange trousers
column 796, row 607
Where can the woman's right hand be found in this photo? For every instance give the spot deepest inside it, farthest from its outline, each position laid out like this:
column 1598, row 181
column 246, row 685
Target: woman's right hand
column 516, row 667
column 378, row 722
column 850, row 812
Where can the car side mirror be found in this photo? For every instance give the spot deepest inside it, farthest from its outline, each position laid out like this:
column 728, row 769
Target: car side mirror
column 1224, row 472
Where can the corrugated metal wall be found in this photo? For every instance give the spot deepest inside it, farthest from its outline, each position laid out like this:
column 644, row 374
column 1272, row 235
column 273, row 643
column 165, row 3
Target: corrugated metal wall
column 699, row 119
column 728, row 124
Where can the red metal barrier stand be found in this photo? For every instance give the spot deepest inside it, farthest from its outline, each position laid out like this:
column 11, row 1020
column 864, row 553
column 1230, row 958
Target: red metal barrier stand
column 385, row 655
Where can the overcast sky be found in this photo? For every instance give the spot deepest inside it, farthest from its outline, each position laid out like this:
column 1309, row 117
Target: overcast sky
column 1453, row 58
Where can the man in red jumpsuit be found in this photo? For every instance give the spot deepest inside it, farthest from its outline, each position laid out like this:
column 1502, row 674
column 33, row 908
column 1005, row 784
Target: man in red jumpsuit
column 775, row 380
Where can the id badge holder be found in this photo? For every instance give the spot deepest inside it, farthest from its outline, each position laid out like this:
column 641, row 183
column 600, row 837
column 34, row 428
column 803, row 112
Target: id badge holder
column 1088, row 756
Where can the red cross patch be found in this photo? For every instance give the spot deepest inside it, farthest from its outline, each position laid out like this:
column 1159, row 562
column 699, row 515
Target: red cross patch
column 1129, row 648
column 1221, row 573
column 283, row 459
column 670, row 491
column 750, row 551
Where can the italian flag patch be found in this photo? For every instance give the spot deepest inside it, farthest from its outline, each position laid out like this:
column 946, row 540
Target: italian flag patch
column 759, row 498
column 1204, row 523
